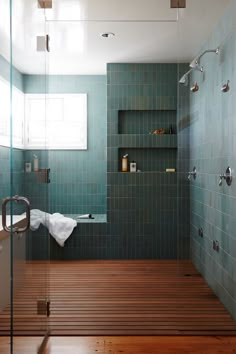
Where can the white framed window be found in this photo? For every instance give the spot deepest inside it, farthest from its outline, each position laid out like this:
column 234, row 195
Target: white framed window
column 17, row 115
column 56, row 121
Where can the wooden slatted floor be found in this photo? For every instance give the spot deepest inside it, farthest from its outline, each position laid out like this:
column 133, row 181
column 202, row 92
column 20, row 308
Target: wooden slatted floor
column 124, row 345
column 101, row 298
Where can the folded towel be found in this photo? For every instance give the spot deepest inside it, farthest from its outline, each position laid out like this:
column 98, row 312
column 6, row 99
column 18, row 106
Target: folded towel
column 59, row 226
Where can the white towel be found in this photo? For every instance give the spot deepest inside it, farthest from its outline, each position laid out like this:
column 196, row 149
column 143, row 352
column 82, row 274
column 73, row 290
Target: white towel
column 59, row 226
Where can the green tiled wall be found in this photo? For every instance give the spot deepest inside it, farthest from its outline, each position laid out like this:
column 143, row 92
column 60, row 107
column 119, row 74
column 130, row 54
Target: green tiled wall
column 78, row 178
column 183, row 127
column 213, row 148
column 142, row 207
column 17, row 175
column 144, row 122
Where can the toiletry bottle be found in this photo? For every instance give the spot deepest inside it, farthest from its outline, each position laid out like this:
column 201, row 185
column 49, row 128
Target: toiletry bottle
column 124, row 163
column 133, row 166
column 36, row 163
column 171, row 130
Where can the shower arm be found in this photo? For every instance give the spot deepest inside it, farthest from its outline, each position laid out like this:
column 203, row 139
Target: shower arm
column 196, row 62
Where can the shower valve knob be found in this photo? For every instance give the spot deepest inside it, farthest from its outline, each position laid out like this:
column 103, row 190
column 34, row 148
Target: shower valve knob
column 227, row 176
column 192, row 173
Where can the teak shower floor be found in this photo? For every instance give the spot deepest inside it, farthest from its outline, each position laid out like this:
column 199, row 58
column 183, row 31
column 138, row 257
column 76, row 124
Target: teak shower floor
column 110, row 298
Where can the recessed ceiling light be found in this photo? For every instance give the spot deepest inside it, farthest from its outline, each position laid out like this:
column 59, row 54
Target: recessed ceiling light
column 108, row 34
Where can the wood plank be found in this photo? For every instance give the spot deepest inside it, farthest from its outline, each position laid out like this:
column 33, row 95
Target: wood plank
column 127, row 345
column 90, row 298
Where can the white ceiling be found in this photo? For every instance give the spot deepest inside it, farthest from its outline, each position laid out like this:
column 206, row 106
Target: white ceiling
column 145, row 31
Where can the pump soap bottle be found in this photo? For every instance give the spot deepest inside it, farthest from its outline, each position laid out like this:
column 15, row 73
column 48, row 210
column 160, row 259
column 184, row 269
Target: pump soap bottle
column 36, row 163
column 124, row 163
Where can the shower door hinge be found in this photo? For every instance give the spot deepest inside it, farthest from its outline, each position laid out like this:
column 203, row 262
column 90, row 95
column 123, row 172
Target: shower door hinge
column 43, row 307
column 42, row 43
column 179, row 4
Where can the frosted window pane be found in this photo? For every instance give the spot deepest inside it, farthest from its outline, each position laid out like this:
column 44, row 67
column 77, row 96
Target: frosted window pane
column 63, row 126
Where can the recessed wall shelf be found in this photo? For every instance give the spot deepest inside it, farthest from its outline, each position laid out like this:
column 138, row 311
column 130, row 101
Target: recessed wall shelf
column 146, row 140
column 149, row 159
column 145, row 121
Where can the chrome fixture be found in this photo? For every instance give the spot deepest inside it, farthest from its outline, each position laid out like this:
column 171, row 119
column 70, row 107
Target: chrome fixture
column 42, row 43
column 227, row 176
column 195, row 87
column 216, row 245
column 225, row 87
column 184, row 78
column 47, row 43
column 196, row 62
column 17, row 199
column 193, row 174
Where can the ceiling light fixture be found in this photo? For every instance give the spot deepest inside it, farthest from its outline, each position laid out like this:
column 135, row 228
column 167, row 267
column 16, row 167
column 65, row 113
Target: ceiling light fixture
column 108, row 35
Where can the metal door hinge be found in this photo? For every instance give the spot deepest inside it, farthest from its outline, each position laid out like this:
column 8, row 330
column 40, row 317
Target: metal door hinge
column 43, row 307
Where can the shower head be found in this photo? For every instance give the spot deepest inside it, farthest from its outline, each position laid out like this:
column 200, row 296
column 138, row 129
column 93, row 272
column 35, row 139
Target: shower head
column 184, row 78
column 196, row 62
column 195, row 87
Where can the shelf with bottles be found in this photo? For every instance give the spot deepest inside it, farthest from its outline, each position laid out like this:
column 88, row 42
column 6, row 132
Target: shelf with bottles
column 145, row 122
column 148, row 160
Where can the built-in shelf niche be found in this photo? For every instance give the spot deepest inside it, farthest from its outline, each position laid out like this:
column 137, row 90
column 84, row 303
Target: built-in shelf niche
column 150, row 159
column 146, row 141
column 145, row 121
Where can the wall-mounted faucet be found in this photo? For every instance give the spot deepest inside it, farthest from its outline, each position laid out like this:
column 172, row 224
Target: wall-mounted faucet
column 193, row 174
column 225, row 87
column 227, row 176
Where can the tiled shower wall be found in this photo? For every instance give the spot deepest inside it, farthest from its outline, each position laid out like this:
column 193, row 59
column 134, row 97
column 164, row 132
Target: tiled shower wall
column 142, row 206
column 212, row 150
column 78, row 177
column 183, row 123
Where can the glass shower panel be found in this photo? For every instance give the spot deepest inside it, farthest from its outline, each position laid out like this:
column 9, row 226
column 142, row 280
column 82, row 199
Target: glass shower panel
column 30, row 287
column 5, row 241
column 24, row 284
column 206, row 128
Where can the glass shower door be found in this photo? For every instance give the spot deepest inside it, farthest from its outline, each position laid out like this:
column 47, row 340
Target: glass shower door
column 24, row 287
